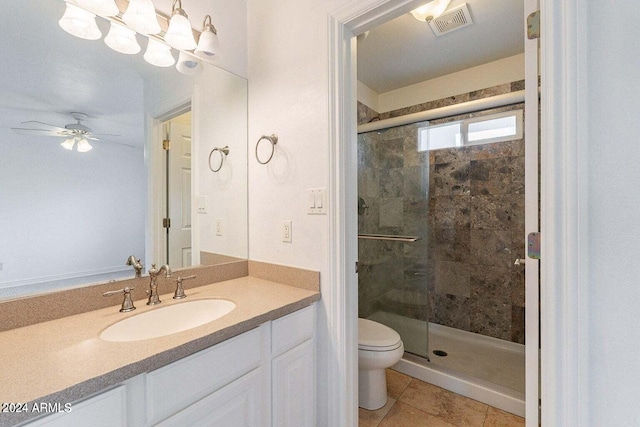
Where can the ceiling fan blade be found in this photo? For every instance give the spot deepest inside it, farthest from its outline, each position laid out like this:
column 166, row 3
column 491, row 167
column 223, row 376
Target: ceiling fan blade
column 50, row 126
column 104, row 134
column 39, row 132
column 93, row 138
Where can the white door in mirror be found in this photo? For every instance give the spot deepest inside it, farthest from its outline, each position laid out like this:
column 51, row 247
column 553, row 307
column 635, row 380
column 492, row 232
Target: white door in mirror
column 167, row 320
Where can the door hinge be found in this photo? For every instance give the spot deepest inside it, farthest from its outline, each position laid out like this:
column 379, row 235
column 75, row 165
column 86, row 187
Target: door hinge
column 356, row 267
column 533, row 25
column 533, row 245
column 166, row 222
column 166, row 144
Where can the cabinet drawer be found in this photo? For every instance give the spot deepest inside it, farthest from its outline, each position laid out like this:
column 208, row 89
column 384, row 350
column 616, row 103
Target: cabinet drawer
column 181, row 383
column 292, row 329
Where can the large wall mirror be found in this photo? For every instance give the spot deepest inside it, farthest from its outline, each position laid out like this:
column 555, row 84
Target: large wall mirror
column 71, row 217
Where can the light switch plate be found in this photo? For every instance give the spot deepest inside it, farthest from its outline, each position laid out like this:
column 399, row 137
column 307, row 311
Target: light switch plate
column 317, row 201
column 201, row 203
column 218, row 226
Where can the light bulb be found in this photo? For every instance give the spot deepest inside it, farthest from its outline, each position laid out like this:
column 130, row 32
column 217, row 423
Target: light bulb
column 179, row 34
column 141, row 16
column 83, row 145
column 68, row 143
column 208, row 43
column 431, row 10
column 158, row 54
column 188, row 64
column 80, row 23
column 122, row 39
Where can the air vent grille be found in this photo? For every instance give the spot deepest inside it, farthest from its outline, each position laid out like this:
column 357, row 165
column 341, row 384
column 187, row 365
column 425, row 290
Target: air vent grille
column 454, row 19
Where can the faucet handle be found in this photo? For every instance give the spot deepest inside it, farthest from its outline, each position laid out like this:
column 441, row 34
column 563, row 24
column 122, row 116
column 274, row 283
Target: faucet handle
column 127, row 304
column 179, row 294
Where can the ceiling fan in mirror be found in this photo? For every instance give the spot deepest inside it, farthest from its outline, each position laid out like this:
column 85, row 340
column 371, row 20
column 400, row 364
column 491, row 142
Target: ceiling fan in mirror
column 75, row 134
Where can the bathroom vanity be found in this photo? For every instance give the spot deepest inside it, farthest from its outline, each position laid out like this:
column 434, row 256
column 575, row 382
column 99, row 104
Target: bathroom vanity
column 253, row 366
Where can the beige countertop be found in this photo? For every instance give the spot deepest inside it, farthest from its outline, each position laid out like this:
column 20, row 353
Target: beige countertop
column 64, row 360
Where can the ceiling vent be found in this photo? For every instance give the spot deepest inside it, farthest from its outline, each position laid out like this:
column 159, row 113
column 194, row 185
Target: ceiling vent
column 453, row 19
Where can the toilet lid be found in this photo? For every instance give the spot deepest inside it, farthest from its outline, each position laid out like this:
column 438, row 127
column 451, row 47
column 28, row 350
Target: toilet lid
column 376, row 336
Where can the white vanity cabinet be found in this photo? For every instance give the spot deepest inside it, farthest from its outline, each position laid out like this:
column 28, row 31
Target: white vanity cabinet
column 177, row 386
column 263, row 377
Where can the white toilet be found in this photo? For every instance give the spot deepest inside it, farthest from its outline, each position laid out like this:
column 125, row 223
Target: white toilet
column 379, row 347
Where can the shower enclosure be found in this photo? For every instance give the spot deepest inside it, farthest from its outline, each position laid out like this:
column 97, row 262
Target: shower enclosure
column 441, row 222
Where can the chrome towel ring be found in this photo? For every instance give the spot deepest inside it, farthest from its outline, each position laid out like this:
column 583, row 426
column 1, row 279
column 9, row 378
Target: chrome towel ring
column 273, row 139
column 224, row 151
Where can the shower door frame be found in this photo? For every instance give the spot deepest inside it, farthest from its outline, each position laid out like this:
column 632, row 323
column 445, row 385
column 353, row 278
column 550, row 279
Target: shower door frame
column 532, row 223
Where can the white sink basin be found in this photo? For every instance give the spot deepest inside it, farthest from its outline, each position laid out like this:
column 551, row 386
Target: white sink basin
column 167, row 320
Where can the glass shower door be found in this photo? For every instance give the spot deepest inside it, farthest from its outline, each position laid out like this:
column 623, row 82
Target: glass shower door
column 393, row 254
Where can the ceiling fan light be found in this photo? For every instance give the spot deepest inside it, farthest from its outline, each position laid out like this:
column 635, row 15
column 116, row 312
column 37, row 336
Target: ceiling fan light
column 80, row 23
column 158, row 54
column 208, row 44
column 431, row 10
column 68, row 143
column 83, row 145
column 141, row 16
column 100, row 7
column 122, row 40
column 188, row 64
column 179, row 34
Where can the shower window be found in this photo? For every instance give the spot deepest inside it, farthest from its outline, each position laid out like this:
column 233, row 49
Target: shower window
column 479, row 130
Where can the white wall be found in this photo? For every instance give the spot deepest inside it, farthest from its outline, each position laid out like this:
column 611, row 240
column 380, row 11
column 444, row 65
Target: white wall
column 67, row 214
column 220, row 119
column 288, row 95
column 613, row 182
column 494, row 73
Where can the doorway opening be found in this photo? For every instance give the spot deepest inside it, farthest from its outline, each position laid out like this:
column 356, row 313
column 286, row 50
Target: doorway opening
column 458, row 281
column 175, row 240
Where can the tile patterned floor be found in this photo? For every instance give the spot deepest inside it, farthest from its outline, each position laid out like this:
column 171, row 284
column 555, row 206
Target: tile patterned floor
column 414, row 403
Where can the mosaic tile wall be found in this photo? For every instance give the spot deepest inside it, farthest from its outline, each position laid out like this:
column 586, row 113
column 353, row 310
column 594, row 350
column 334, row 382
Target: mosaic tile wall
column 467, row 205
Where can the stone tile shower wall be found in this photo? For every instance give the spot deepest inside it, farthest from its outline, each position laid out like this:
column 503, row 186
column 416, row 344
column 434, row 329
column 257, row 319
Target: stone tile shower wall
column 466, row 204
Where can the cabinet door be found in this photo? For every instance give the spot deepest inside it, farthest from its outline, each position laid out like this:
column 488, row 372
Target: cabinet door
column 107, row 409
column 293, row 387
column 235, row 405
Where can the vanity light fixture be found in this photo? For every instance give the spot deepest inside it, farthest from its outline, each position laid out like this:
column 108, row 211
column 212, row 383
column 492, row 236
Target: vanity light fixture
column 431, row 10
column 80, row 23
column 158, row 54
column 100, row 7
column 141, row 16
column 188, row 64
column 208, row 43
column 179, row 34
column 122, row 39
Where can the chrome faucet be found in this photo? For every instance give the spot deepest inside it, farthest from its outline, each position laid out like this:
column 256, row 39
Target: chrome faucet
column 153, row 286
column 137, row 265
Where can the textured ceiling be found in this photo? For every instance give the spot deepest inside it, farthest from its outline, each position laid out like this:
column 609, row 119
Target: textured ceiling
column 405, row 51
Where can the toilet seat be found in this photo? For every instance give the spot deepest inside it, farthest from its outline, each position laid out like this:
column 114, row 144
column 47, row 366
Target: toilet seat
column 374, row 336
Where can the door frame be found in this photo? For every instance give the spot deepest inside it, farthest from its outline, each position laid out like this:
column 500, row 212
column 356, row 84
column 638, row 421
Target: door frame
column 563, row 199
column 155, row 236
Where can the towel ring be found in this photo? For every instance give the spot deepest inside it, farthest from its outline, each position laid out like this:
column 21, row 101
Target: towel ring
column 273, row 139
column 224, row 151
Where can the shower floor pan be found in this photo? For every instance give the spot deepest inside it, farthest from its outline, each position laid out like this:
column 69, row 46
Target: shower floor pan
column 483, row 368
